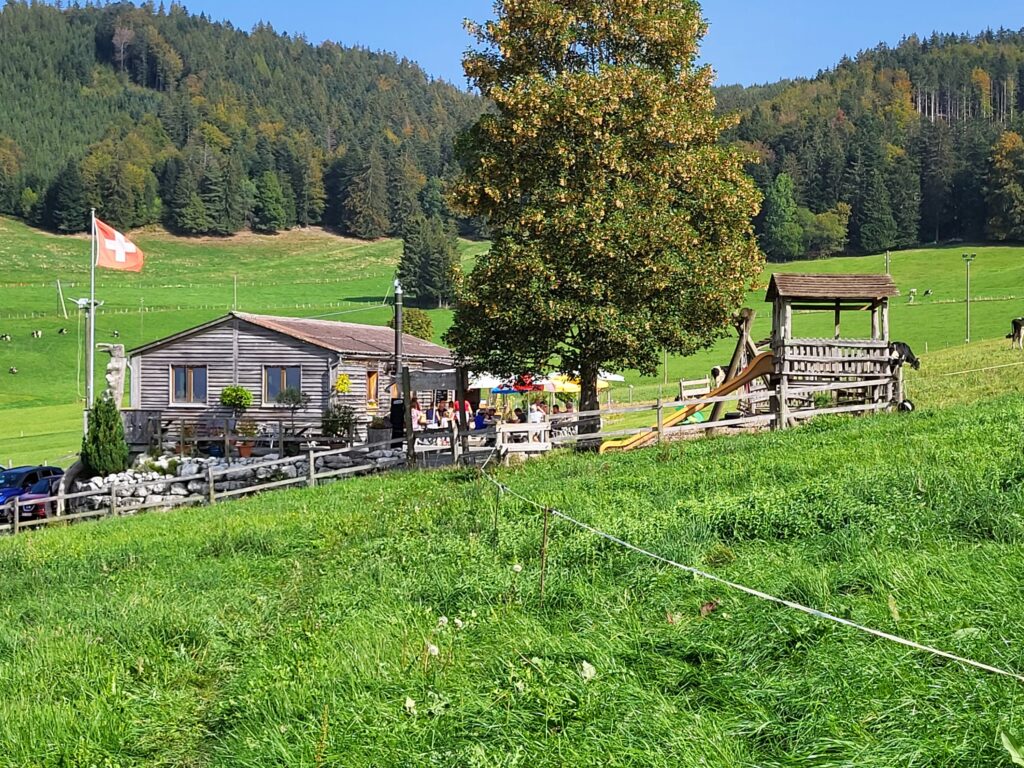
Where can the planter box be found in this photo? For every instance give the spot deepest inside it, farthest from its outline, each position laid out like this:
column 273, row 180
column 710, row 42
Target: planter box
column 379, row 437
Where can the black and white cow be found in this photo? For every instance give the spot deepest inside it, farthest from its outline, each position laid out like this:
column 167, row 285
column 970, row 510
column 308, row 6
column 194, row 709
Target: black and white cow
column 901, row 354
column 1016, row 334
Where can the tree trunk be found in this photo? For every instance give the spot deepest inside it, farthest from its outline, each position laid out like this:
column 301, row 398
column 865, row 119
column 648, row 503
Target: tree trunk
column 589, row 425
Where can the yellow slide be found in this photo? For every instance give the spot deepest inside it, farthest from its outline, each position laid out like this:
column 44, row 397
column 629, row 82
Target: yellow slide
column 762, row 365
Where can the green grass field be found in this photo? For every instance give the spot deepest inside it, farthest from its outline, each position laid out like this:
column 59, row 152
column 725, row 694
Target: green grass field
column 297, row 628
column 307, row 273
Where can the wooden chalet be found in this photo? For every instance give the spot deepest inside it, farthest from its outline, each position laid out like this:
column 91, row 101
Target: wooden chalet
column 180, row 378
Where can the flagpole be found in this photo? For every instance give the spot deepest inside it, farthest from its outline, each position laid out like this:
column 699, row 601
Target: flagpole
column 91, row 356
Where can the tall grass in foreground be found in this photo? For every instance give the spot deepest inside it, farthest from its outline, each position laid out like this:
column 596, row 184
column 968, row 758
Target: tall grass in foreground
column 300, row 628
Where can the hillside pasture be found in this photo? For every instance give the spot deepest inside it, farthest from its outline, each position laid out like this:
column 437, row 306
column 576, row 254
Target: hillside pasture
column 396, row 620
column 188, row 281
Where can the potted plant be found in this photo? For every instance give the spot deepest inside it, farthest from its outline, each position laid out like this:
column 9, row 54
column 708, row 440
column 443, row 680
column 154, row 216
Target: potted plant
column 293, row 399
column 378, row 432
column 247, row 429
column 236, row 398
column 339, row 421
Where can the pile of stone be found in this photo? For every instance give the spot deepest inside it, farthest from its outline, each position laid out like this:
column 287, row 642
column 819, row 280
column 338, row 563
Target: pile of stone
column 169, row 480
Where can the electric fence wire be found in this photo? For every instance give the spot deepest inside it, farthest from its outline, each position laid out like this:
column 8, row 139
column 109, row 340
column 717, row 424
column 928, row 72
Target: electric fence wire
column 751, row 591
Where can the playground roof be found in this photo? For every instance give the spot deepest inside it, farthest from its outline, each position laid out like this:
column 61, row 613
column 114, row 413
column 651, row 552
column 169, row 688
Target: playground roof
column 830, row 287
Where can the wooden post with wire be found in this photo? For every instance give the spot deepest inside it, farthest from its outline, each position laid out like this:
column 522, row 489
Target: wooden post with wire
column 544, row 552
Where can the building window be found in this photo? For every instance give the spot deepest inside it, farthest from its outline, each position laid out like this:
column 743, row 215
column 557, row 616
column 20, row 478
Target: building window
column 372, row 388
column 278, row 378
column 189, row 384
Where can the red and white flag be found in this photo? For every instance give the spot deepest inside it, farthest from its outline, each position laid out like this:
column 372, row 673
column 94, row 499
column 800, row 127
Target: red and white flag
column 115, row 251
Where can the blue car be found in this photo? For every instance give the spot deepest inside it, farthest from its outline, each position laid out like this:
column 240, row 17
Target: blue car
column 19, row 480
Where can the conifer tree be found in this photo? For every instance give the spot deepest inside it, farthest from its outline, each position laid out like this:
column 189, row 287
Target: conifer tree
column 70, row 212
column 404, row 185
column 877, row 227
column 1006, row 188
column 268, row 213
column 782, row 237
column 10, row 171
column 366, row 205
column 104, row 449
column 187, row 213
column 903, row 182
column 429, row 267
column 213, row 192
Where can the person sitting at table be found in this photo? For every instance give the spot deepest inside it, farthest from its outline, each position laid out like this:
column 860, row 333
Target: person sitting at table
column 480, row 420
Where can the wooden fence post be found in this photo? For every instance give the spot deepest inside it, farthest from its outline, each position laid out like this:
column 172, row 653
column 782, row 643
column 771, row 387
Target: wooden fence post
column 113, row 500
column 661, row 420
column 453, row 441
column 280, row 439
column 461, row 385
column 408, row 426
column 227, row 443
column 312, row 469
column 212, row 491
column 544, row 553
column 15, row 517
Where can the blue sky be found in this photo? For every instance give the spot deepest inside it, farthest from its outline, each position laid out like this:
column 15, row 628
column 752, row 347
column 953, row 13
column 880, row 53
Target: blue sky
column 751, row 41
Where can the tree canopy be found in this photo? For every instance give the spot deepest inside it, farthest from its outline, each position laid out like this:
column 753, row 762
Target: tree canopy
column 903, row 135
column 169, row 117
column 621, row 226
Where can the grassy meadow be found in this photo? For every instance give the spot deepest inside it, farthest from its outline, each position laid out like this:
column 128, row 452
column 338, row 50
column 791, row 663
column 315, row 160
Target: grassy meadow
column 396, row 620
column 188, row 281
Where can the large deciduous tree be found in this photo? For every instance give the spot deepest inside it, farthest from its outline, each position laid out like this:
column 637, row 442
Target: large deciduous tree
column 621, row 225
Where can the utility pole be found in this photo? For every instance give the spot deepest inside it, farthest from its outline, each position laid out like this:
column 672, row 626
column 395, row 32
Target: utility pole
column 968, row 258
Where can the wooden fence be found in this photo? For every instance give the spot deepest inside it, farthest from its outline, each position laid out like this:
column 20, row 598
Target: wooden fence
column 455, row 447
column 113, row 503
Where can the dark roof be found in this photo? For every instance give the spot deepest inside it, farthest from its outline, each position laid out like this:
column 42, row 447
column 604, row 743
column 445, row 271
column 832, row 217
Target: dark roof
column 847, row 287
column 348, row 338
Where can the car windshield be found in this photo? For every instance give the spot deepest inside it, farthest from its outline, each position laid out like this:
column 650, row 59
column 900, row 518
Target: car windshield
column 11, row 479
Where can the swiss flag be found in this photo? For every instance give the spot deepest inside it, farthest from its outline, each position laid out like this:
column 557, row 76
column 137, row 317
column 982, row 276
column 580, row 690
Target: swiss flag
column 115, row 251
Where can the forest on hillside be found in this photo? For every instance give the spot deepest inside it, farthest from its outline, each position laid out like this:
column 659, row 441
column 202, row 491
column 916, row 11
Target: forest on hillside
column 155, row 115
column 917, row 143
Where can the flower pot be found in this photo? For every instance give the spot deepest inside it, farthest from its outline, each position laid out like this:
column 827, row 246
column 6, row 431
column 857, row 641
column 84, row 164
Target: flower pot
column 244, row 450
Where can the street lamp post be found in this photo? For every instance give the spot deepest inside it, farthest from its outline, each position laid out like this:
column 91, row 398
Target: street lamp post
column 968, row 258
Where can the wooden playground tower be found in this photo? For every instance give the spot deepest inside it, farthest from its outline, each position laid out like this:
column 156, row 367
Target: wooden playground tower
column 793, row 379
column 814, row 376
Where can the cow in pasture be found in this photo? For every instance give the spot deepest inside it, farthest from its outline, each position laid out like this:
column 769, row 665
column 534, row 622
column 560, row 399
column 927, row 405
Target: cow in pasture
column 900, row 354
column 1016, row 334
column 5, row 337
column 116, row 334
column 717, row 376
column 62, row 332
column 37, row 334
column 12, row 370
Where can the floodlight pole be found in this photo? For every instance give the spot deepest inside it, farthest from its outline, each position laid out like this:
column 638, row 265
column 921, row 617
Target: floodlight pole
column 968, row 258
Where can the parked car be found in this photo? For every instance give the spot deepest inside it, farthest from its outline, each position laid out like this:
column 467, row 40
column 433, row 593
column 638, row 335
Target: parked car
column 29, row 506
column 19, row 480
